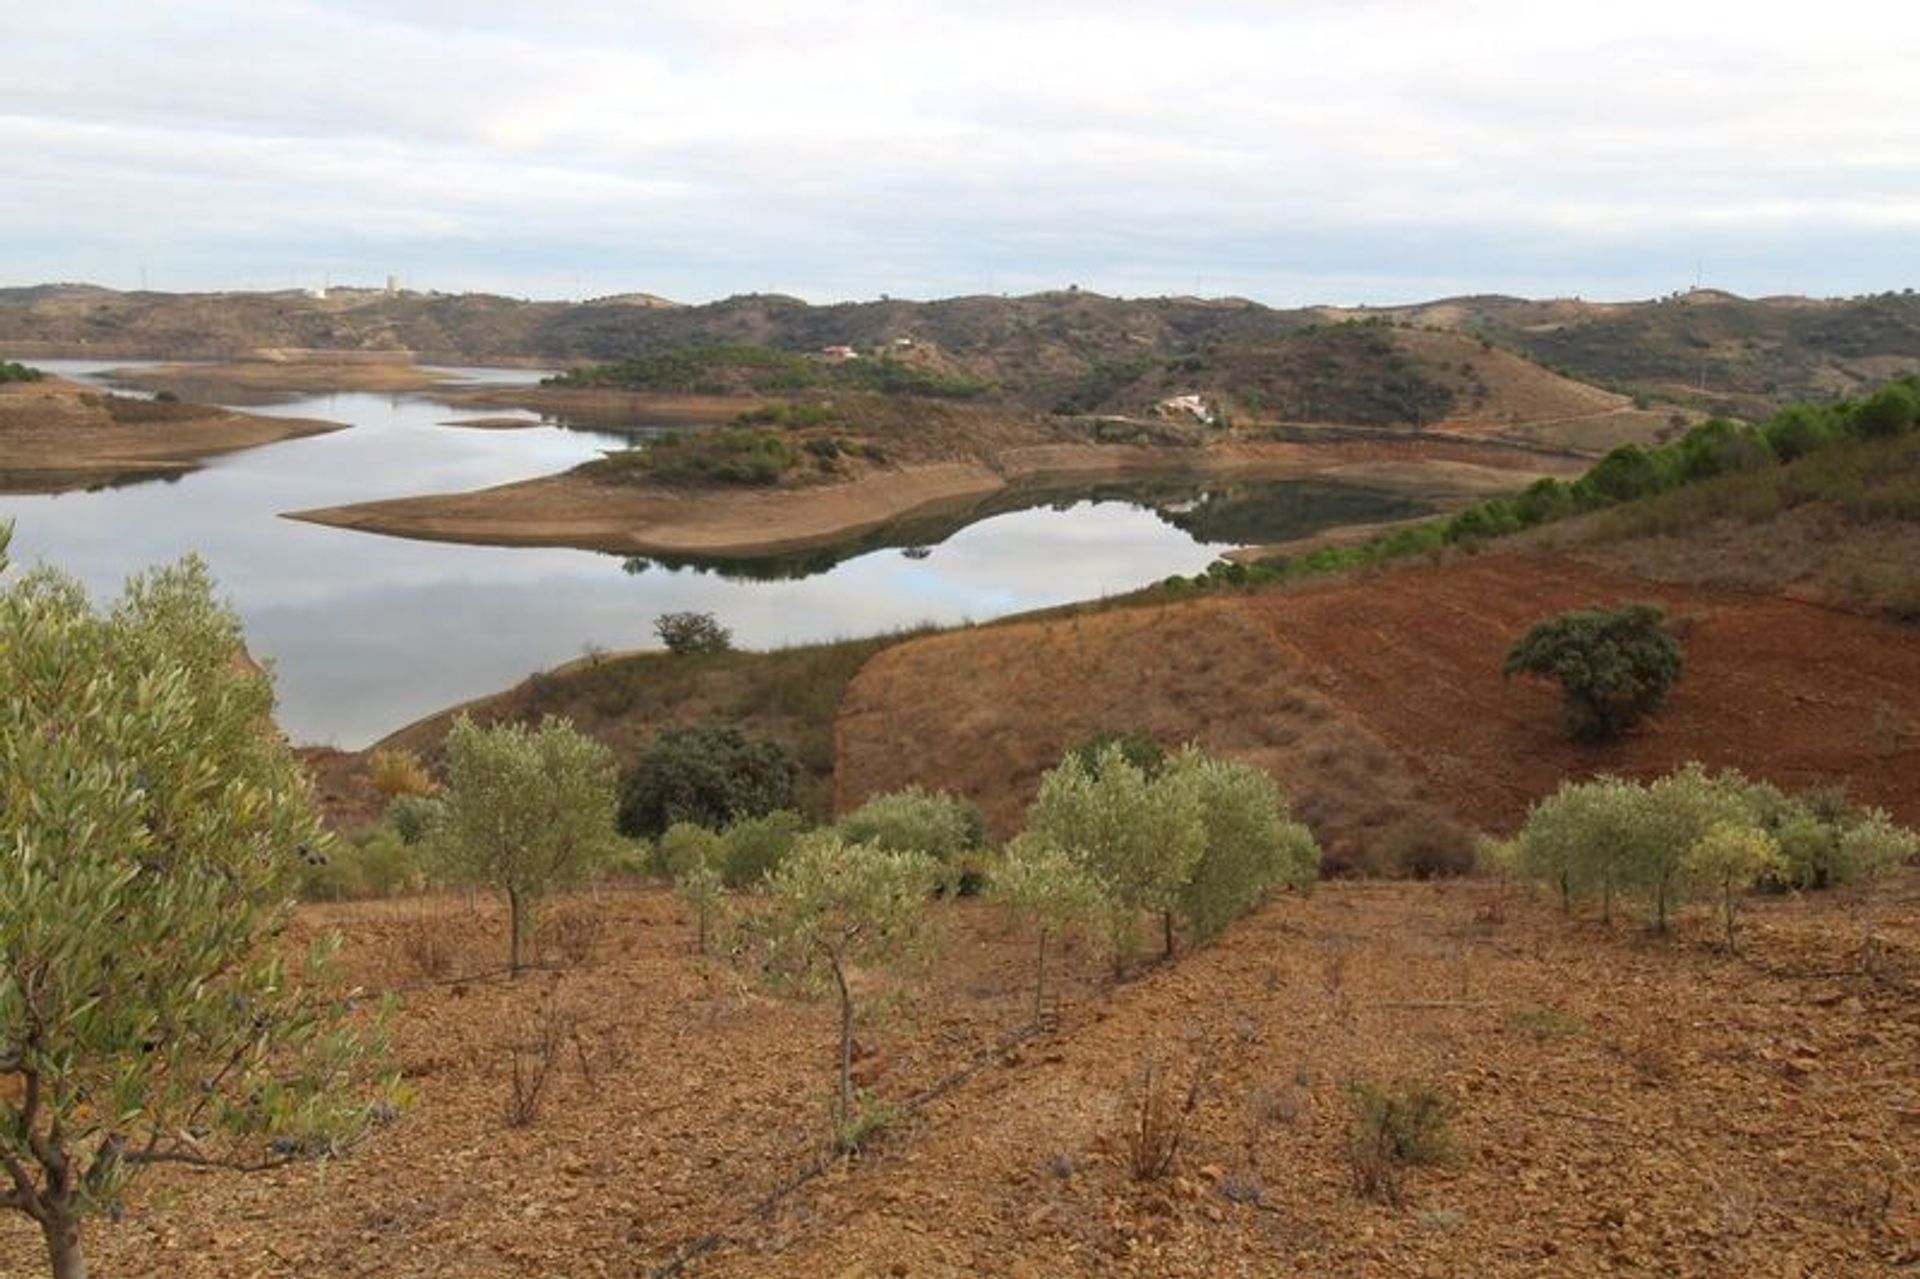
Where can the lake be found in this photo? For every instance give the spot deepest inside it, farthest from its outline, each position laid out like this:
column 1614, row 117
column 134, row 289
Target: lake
column 367, row 633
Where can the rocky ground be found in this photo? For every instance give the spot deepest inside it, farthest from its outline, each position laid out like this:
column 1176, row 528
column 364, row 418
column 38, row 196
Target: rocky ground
column 1617, row 1104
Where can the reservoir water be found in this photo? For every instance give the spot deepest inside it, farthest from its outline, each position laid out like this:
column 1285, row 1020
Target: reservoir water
column 366, row 633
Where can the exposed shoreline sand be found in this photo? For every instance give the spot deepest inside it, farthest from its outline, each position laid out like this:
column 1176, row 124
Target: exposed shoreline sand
column 572, row 510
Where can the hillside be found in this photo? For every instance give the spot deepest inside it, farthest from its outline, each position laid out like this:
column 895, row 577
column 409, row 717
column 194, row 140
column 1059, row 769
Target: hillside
column 1048, row 350
column 1378, row 701
column 1705, row 346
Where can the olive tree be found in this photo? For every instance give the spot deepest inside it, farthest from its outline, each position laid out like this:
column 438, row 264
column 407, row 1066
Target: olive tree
column 1870, row 848
column 833, row 908
column 1048, row 890
column 1139, row 838
column 1614, row 665
column 1728, row 860
column 1578, row 838
column 528, row 810
column 1250, row 844
column 151, row 817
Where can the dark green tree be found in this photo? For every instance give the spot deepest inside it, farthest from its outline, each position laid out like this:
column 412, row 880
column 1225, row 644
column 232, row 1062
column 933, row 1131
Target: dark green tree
column 1614, row 665
column 708, row 774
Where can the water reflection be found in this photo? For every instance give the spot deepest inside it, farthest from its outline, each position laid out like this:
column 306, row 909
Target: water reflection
column 368, row 633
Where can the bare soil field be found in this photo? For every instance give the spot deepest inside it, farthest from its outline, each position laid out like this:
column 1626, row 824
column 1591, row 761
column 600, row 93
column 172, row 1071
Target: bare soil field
column 1369, row 695
column 1617, row 1105
column 56, row 435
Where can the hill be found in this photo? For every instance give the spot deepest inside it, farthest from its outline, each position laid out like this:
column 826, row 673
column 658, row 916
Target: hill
column 1703, row 346
column 1047, row 350
column 1378, row 702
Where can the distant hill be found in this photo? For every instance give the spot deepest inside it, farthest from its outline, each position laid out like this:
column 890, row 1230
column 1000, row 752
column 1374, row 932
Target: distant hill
column 1067, row 349
column 1706, row 345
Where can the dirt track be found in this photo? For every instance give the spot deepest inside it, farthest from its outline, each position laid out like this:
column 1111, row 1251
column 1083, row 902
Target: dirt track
column 1301, row 681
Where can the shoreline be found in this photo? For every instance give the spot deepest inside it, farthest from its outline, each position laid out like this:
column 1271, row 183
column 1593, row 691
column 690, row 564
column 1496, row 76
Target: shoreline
column 573, row 511
column 58, row 436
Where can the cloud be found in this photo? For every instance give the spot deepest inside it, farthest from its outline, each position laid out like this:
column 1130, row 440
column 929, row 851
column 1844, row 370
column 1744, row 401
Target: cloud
column 699, row 149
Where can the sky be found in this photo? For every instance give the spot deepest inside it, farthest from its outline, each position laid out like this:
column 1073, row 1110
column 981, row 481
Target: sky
column 1290, row 151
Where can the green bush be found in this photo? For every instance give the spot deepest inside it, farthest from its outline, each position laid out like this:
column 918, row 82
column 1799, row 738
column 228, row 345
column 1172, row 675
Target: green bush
column 945, row 827
column 755, row 847
column 1892, row 410
column 683, row 846
column 12, row 372
column 413, row 817
column 1614, row 665
column 374, row 862
column 1250, row 843
column 709, row 774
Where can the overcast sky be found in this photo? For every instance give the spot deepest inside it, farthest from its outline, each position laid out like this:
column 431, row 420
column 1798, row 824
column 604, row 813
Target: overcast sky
column 1292, row 151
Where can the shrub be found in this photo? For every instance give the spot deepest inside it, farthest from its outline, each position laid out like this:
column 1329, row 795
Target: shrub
column 684, row 633
column 398, row 772
column 13, row 372
column 701, row 886
column 682, row 847
column 754, row 847
column 1412, row 1124
column 573, row 930
column 1158, row 1124
column 709, row 774
column 1892, row 410
column 374, row 862
column 1429, row 847
column 944, row 827
column 414, row 816
column 728, row 456
column 1614, row 665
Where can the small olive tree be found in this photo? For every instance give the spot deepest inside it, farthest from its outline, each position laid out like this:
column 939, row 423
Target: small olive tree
column 1614, row 665
column 1250, row 843
column 1139, row 839
column 151, row 818
column 1049, row 891
column 1870, row 848
column 528, row 811
column 1728, row 860
column 833, row 908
